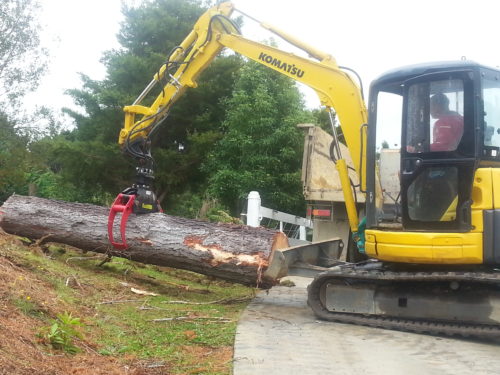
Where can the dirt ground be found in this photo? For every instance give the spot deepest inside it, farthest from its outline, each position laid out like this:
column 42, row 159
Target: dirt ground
column 24, row 297
column 20, row 350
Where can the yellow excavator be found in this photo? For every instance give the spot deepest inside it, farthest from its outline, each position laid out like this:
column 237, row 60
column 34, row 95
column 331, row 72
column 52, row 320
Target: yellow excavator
column 432, row 256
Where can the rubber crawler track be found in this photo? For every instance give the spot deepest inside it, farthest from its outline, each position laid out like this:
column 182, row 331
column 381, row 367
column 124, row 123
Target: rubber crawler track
column 482, row 331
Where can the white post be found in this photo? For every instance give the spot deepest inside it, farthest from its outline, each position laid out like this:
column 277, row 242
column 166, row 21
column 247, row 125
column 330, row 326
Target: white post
column 302, row 233
column 253, row 209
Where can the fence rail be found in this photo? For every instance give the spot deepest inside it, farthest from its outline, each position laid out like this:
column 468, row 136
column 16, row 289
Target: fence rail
column 296, row 227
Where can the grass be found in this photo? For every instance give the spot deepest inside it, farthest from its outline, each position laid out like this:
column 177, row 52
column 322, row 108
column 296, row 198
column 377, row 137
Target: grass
column 27, row 306
column 118, row 323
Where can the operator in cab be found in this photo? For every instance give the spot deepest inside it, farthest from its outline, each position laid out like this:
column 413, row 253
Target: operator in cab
column 449, row 127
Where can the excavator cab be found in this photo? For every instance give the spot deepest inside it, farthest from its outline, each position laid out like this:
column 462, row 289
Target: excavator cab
column 436, row 238
column 445, row 115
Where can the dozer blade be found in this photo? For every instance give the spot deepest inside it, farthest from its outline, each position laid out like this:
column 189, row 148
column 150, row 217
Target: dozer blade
column 306, row 260
column 441, row 303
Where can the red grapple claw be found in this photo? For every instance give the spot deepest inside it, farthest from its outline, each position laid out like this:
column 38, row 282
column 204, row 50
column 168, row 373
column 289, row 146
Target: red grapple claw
column 123, row 203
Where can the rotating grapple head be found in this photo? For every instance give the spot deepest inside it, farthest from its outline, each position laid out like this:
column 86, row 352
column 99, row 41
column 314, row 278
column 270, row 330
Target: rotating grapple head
column 137, row 199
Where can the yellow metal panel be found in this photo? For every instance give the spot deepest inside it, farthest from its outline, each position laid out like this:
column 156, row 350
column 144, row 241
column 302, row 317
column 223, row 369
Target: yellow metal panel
column 447, row 241
column 442, row 253
column 429, row 248
column 370, row 245
column 442, row 248
column 350, row 205
column 406, row 253
column 477, row 221
column 451, row 212
column 482, row 197
column 371, row 249
column 370, row 237
column 474, row 252
column 495, row 177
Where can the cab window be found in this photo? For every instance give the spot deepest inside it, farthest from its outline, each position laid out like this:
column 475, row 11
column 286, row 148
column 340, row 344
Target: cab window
column 491, row 133
column 435, row 121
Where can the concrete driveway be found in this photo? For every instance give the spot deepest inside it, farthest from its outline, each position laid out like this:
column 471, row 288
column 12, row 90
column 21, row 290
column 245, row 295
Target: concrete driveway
column 278, row 334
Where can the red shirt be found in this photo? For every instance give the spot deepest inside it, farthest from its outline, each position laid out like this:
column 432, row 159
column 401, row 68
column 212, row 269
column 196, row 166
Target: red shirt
column 447, row 132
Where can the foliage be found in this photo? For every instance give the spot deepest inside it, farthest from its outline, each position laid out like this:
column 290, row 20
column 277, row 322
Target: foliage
column 185, row 204
column 22, row 63
column 195, row 123
column 13, row 159
column 262, row 147
column 321, row 119
column 234, row 133
column 221, row 216
column 27, row 306
column 77, row 170
column 22, row 60
column 24, row 151
column 148, row 34
column 62, row 333
column 157, row 26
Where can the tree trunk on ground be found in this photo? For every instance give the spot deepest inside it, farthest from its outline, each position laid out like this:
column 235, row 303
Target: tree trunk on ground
column 235, row 253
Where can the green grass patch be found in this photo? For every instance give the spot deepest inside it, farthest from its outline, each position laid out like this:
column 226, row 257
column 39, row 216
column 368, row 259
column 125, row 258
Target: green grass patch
column 117, row 322
column 28, row 307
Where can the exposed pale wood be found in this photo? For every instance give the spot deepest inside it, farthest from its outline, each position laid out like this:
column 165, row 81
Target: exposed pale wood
column 231, row 252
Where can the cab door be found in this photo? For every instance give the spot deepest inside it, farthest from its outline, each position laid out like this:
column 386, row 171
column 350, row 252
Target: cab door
column 438, row 153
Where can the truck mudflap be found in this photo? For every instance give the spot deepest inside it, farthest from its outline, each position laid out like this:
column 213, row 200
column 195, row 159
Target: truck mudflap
column 463, row 303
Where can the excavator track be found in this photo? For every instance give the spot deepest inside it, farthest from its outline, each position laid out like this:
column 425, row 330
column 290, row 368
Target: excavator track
column 316, row 301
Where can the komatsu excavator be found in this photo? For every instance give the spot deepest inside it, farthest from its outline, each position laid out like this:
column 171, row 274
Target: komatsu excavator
column 433, row 257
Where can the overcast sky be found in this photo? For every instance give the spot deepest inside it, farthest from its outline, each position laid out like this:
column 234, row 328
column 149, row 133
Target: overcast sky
column 368, row 36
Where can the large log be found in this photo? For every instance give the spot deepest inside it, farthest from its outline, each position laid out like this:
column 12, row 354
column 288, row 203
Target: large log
column 235, row 253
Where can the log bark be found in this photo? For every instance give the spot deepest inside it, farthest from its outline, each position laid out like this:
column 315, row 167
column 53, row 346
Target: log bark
column 236, row 253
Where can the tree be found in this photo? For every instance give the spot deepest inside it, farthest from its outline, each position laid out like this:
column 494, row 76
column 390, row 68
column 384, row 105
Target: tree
column 22, row 59
column 22, row 63
column 148, row 34
column 262, row 149
column 13, row 156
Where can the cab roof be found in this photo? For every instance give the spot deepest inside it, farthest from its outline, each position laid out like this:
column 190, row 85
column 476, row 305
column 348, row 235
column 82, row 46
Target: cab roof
column 392, row 79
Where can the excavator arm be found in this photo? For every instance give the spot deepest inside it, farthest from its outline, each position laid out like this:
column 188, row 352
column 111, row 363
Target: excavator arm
column 186, row 62
column 213, row 32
